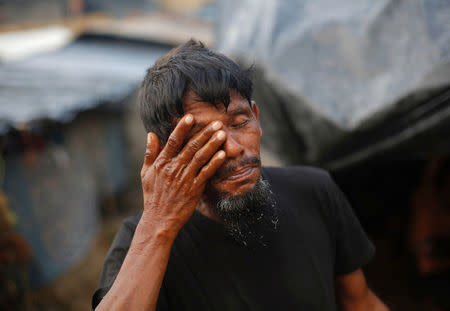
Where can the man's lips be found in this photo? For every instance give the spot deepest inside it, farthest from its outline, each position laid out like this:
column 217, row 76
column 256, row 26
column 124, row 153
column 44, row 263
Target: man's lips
column 240, row 173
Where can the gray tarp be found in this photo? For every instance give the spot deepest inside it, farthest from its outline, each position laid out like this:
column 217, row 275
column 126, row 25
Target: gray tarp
column 329, row 68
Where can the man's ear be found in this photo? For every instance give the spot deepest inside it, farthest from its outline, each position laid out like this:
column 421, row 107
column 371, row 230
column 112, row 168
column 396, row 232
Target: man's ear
column 255, row 110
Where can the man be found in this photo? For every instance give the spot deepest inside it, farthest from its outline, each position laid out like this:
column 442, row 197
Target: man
column 217, row 231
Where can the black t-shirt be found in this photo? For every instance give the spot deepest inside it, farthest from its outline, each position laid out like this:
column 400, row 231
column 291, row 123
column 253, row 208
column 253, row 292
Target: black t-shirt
column 318, row 238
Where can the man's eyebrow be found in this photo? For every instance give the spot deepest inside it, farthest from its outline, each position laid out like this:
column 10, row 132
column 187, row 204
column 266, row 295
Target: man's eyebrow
column 238, row 111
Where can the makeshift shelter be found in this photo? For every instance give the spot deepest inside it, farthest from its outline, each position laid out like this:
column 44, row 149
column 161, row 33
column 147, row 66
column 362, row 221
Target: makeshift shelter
column 341, row 82
column 63, row 144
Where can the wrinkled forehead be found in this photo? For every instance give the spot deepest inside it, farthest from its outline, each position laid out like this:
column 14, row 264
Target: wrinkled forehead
column 195, row 105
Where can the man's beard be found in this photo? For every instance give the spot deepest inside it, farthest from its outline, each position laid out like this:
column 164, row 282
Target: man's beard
column 250, row 217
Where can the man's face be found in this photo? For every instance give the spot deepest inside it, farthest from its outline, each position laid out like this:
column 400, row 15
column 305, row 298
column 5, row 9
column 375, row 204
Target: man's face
column 242, row 168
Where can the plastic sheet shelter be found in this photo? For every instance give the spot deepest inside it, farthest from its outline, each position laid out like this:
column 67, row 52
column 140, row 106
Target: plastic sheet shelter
column 63, row 144
column 340, row 82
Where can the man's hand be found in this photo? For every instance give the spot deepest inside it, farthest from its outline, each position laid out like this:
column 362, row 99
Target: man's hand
column 172, row 180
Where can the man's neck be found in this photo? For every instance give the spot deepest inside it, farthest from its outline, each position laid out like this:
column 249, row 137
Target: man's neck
column 204, row 208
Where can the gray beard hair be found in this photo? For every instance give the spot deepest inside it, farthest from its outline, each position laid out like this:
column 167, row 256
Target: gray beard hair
column 248, row 218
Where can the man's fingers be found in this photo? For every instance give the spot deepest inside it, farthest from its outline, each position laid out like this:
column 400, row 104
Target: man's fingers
column 198, row 141
column 177, row 137
column 152, row 149
column 209, row 169
column 202, row 156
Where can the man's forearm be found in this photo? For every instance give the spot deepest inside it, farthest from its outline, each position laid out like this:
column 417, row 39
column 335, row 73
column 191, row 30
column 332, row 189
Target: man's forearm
column 139, row 280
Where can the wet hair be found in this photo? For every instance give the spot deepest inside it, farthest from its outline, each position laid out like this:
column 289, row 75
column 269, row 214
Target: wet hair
column 190, row 67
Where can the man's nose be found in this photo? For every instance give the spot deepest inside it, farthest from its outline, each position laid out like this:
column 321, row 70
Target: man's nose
column 232, row 147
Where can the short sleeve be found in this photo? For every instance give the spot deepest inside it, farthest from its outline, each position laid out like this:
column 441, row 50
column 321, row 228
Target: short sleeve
column 114, row 259
column 353, row 248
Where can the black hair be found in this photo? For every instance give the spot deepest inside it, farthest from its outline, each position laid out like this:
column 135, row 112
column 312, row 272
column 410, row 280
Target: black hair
column 190, row 67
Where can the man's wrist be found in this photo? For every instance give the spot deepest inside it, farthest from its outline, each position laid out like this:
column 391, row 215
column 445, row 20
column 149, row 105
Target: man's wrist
column 154, row 231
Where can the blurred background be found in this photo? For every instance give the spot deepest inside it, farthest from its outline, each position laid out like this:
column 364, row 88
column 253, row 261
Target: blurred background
column 358, row 87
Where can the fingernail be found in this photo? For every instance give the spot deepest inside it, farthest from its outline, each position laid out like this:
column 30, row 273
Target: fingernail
column 149, row 138
column 220, row 135
column 189, row 119
column 216, row 125
column 221, row 154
